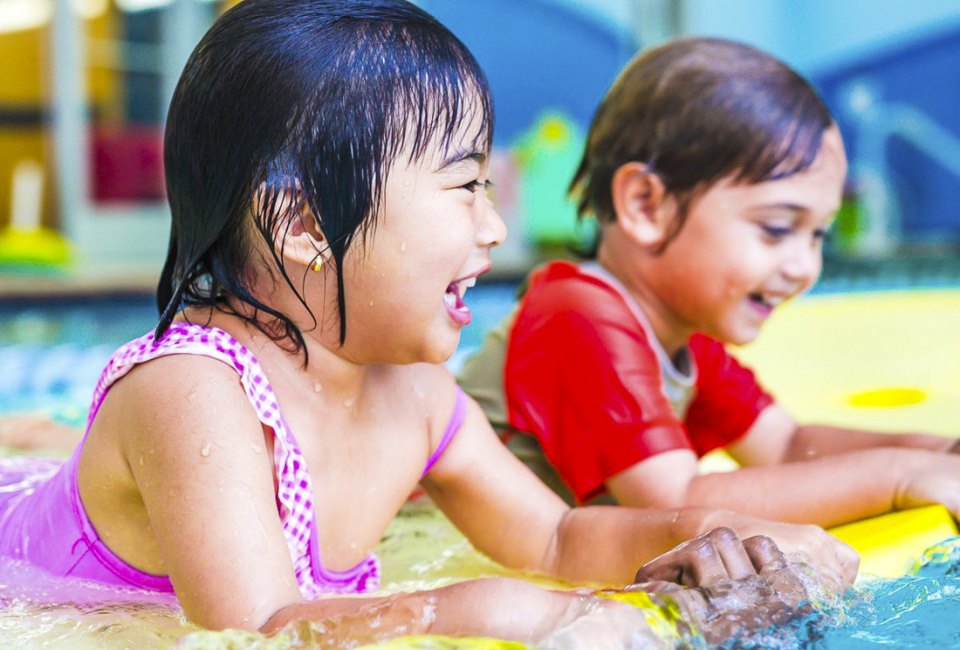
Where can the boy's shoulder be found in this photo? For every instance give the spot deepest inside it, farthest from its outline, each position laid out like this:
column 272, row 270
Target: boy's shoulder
column 567, row 284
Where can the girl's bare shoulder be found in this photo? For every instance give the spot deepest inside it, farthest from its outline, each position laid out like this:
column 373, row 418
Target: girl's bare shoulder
column 176, row 399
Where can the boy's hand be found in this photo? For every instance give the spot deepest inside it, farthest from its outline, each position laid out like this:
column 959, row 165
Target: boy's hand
column 725, row 585
column 954, row 448
column 935, row 482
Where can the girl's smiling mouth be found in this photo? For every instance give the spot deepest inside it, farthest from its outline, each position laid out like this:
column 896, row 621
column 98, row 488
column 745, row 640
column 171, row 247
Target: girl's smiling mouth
column 453, row 300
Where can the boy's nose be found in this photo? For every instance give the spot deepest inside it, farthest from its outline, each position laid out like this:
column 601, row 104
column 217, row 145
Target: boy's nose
column 803, row 264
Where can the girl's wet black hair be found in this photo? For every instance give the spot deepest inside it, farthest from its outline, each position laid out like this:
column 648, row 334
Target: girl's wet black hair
column 696, row 111
column 291, row 107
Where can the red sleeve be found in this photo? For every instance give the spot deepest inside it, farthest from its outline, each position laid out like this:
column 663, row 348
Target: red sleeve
column 581, row 377
column 728, row 398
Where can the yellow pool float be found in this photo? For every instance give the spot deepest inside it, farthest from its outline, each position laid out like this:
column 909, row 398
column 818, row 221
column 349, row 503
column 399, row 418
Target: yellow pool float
column 892, row 545
column 882, row 360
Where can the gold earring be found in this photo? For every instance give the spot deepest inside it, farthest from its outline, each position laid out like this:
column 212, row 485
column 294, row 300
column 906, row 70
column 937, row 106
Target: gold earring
column 317, row 264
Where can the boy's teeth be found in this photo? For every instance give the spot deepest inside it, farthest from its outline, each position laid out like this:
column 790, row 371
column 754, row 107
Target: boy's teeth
column 450, row 299
column 767, row 301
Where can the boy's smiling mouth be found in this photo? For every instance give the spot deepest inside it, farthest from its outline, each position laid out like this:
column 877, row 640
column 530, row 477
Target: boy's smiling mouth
column 764, row 300
column 765, row 303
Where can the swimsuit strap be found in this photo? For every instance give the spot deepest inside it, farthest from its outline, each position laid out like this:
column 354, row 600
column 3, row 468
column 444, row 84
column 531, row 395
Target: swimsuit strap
column 294, row 488
column 453, row 425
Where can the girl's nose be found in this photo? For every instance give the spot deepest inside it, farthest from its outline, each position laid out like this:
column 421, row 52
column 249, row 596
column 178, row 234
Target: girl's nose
column 492, row 229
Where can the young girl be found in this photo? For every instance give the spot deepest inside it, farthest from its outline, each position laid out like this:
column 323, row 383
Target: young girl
column 325, row 165
column 714, row 171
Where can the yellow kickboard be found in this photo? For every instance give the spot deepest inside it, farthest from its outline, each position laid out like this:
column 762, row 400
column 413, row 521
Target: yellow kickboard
column 891, row 545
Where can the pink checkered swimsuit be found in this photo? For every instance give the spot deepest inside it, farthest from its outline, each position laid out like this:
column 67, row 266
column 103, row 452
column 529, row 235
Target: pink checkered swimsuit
column 42, row 519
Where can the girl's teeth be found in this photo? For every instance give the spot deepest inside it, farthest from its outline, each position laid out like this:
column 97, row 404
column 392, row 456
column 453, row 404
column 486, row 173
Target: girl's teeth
column 450, row 299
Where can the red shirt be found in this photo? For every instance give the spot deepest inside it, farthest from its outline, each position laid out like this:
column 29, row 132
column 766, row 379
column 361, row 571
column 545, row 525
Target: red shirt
column 582, row 377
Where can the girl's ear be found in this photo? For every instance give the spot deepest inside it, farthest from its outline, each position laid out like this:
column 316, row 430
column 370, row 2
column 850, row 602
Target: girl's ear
column 641, row 204
column 303, row 240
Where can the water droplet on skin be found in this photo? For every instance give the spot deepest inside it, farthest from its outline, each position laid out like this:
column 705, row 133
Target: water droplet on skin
column 170, row 492
column 255, row 448
column 348, row 403
column 317, row 387
column 191, row 395
column 140, row 460
column 371, row 303
column 403, row 247
column 205, row 450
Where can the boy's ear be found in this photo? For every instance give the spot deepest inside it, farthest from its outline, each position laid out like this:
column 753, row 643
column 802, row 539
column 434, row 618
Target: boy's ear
column 640, row 204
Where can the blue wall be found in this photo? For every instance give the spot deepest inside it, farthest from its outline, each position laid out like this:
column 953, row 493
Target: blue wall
column 538, row 55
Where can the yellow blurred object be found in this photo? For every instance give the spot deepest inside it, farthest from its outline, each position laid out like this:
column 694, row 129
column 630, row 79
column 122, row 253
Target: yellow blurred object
column 891, row 545
column 41, row 246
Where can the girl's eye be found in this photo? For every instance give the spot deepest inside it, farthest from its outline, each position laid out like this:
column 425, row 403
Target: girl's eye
column 821, row 234
column 472, row 186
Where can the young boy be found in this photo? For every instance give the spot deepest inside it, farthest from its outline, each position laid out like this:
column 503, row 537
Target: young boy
column 714, row 172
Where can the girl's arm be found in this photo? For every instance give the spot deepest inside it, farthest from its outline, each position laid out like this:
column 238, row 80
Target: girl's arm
column 690, row 576
column 508, row 514
column 494, row 607
column 199, row 462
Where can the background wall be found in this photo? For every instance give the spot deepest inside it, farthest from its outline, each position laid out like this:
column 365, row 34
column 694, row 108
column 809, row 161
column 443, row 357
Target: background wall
column 888, row 69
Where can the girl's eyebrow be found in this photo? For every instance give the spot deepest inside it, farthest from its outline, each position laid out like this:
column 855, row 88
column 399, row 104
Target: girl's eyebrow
column 460, row 156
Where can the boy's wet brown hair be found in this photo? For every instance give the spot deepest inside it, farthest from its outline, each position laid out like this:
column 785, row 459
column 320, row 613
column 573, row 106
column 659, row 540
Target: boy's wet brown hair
column 697, row 111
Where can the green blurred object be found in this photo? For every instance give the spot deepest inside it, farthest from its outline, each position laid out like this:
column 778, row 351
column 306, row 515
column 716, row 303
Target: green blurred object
column 548, row 155
column 847, row 227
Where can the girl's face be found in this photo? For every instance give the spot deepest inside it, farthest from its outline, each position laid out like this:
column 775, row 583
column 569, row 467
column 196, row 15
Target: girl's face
column 405, row 288
column 744, row 249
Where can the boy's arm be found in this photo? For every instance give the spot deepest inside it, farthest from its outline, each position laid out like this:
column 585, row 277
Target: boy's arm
column 827, row 491
column 508, row 514
column 776, row 437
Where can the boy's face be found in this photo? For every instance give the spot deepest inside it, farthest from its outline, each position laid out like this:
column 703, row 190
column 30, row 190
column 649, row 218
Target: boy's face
column 744, row 249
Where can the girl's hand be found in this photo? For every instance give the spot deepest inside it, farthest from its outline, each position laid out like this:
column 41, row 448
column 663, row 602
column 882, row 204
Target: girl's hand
column 602, row 624
column 724, row 586
column 954, row 448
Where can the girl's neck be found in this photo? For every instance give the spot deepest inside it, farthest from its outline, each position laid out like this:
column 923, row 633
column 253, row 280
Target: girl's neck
column 326, row 370
column 621, row 259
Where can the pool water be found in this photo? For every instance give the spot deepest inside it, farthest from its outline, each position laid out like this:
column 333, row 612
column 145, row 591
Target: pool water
column 52, row 354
